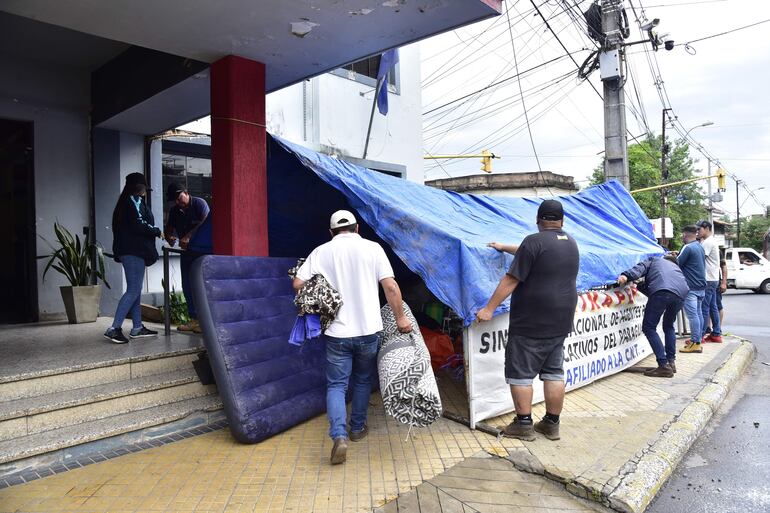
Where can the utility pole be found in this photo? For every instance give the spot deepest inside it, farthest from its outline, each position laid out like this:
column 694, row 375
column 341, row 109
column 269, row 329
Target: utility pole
column 738, row 212
column 610, row 63
column 711, row 203
column 664, row 179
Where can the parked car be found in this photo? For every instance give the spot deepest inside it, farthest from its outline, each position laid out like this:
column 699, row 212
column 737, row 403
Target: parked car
column 747, row 269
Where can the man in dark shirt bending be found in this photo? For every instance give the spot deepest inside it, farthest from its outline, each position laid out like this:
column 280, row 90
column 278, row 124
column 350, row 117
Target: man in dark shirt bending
column 184, row 218
column 542, row 284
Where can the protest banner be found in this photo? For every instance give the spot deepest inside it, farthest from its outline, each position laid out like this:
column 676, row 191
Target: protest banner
column 606, row 338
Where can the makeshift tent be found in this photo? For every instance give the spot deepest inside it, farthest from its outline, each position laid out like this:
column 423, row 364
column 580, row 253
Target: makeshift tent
column 442, row 236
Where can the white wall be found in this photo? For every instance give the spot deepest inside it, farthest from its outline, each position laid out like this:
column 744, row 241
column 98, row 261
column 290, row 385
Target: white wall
column 117, row 154
column 528, row 192
column 331, row 113
column 153, row 284
column 56, row 101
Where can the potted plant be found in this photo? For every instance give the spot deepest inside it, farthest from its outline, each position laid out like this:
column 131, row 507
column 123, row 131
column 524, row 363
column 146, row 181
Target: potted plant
column 77, row 260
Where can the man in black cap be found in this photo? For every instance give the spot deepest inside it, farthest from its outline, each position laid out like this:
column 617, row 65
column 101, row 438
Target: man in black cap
column 542, row 284
column 184, row 218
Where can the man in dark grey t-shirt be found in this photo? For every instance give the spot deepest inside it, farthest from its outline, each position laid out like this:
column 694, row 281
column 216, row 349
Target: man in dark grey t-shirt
column 542, row 286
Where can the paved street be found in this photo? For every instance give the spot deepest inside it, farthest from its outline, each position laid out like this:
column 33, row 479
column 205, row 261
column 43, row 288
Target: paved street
column 728, row 469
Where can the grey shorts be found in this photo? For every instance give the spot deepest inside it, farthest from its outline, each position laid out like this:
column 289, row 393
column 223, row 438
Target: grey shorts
column 527, row 357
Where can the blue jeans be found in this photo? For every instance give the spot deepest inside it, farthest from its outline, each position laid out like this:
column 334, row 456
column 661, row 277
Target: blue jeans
column 664, row 304
column 348, row 360
column 693, row 305
column 130, row 301
column 710, row 308
column 185, row 263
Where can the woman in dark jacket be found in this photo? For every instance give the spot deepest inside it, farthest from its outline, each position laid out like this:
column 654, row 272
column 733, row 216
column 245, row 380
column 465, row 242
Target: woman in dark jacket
column 133, row 244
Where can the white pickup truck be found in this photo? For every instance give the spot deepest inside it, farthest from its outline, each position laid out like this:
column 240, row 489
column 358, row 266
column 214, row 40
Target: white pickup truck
column 747, row 269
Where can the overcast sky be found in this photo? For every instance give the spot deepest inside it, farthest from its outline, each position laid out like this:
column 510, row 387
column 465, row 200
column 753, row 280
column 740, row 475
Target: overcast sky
column 726, row 82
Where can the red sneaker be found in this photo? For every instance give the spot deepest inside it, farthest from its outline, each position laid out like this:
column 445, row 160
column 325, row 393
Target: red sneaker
column 716, row 339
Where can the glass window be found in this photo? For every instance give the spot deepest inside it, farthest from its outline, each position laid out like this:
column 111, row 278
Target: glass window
column 193, row 173
column 747, row 258
column 369, row 67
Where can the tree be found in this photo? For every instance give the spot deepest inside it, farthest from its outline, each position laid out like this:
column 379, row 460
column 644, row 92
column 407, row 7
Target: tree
column 753, row 230
column 685, row 202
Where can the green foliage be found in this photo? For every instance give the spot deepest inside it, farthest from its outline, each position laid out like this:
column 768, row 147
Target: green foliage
column 753, row 231
column 177, row 306
column 685, row 202
column 73, row 259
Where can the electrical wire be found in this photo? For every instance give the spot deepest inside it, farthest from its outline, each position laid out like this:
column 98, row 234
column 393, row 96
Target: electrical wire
column 550, row 28
column 496, row 107
column 555, row 59
column 516, row 129
column 523, row 105
column 687, row 44
column 666, row 102
column 472, row 101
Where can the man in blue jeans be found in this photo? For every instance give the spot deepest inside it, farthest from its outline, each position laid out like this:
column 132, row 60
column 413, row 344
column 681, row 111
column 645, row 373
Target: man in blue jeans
column 354, row 267
column 185, row 218
column 710, row 309
column 666, row 291
column 692, row 262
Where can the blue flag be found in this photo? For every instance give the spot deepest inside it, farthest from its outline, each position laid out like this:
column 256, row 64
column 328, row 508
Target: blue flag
column 387, row 61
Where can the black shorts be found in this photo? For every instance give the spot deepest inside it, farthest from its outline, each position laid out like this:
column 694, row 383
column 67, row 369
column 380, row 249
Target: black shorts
column 527, row 357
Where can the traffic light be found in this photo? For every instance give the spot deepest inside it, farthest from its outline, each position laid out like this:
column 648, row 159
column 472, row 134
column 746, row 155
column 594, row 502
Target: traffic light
column 486, row 161
column 721, row 179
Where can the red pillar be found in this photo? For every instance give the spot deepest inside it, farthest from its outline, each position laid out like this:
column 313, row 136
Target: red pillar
column 238, row 157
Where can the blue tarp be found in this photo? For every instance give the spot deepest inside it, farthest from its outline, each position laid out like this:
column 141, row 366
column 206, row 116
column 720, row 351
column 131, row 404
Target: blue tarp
column 442, row 236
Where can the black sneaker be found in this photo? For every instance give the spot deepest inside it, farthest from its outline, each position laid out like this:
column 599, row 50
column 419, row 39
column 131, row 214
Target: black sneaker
column 115, row 336
column 144, row 332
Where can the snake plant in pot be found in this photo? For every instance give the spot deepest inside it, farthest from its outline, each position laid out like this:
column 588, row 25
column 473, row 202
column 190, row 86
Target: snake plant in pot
column 77, row 260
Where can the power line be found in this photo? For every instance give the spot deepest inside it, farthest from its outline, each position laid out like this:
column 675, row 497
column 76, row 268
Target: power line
column 521, row 92
column 495, row 108
column 470, row 102
column 687, row 3
column 495, row 84
column 724, row 33
column 562, row 44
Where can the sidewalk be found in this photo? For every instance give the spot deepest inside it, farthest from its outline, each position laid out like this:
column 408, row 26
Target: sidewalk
column 621, row 437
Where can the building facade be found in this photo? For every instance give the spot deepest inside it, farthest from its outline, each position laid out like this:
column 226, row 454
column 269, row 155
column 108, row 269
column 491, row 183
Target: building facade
column 87, row 86
column 538, row 185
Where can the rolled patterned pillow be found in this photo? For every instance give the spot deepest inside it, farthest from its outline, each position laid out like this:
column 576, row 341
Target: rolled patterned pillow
column 407, row 384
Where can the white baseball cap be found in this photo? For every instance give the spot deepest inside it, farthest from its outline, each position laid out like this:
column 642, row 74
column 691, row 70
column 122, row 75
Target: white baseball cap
column 342, row 218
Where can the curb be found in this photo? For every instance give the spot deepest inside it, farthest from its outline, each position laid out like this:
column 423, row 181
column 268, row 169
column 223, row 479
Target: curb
column 637, row 489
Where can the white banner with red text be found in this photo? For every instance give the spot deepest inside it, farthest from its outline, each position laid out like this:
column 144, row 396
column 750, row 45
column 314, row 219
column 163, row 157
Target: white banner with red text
column 606, row 338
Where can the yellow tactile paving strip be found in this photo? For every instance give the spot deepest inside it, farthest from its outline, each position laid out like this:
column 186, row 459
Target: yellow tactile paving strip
column 290, row 472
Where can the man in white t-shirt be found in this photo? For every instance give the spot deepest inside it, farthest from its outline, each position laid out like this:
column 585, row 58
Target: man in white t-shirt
column 355, row 267
column 709, row 307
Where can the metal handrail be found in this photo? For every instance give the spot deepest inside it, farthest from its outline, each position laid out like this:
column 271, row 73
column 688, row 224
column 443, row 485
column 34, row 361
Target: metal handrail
column 167, row 250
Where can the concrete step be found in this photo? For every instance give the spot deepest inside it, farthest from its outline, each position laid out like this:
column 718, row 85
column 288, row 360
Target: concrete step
column 70, row 407
column 49, row 381
column 70, row 442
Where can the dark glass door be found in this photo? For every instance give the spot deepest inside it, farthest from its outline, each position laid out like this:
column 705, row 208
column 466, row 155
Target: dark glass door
column 18, row 274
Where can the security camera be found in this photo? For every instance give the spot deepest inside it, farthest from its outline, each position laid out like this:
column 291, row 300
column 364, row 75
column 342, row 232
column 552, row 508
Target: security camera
column 650, row 24
column 669, row 45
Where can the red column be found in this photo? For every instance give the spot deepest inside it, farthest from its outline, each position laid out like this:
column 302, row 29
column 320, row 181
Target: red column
column 238, row 157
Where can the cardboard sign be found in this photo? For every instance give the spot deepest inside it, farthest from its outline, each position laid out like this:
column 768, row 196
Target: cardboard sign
column 606, row 338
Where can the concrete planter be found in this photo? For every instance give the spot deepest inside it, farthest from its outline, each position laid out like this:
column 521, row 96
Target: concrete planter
column 81, row 303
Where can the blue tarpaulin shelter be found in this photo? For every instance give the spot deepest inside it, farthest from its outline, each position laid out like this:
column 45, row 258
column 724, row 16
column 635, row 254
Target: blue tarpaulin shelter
column 442, row 236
